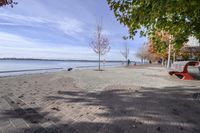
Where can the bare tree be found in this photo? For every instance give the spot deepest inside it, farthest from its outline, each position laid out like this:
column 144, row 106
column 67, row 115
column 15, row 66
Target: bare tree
column 143, row 53
column 125, row 53
column 100, row 43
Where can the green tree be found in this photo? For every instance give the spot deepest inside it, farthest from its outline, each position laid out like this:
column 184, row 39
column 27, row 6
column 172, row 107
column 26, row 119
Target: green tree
column 158, row 46
column 161, row 43
column 180, row 18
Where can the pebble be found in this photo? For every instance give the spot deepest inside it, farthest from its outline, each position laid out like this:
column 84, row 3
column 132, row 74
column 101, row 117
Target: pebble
column 158, row 128
column 134, row 126
column 22, row 95
column 55, row 108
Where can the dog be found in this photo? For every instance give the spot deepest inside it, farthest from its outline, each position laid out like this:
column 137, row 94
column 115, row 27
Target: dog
column 69, row 69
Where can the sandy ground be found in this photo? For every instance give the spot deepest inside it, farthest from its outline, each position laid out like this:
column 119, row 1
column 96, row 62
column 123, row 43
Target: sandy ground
column 118, row 100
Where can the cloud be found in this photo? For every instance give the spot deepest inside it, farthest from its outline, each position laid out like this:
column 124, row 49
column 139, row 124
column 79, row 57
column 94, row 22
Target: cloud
column 70, row 26
column 67, row 25
column 51, row 29
column 12, row 40
column 23, row 47
column 12, row 45
column 49, row 53
column 21, row 19
column 7, row 24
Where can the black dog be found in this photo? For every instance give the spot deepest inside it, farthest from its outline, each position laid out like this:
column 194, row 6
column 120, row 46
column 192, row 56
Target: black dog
column 69, row 69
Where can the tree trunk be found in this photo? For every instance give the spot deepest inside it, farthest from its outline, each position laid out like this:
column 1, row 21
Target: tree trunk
column 163, row 62
column 174, row 57
column 127, row 62
column 169, row 55
column 99, row 67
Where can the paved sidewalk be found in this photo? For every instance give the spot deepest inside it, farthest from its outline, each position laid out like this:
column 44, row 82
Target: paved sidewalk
column 52, row 103
column 114, row 110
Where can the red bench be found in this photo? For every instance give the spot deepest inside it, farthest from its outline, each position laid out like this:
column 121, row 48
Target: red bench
column 183, row 74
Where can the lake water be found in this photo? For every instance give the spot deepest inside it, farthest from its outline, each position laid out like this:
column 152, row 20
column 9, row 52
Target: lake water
column 16, row 67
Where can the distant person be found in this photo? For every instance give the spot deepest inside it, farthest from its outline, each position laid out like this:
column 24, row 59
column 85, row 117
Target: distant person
column 129, row 62
column 150, row 62
column 135, row 63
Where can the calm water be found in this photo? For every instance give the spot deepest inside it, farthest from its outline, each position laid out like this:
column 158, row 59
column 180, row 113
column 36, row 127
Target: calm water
column 13, row 67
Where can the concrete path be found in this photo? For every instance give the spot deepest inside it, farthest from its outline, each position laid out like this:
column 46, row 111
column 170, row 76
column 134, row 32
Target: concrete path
column 114, row 109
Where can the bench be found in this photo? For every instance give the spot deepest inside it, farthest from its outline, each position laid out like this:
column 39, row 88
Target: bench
column 180, row 69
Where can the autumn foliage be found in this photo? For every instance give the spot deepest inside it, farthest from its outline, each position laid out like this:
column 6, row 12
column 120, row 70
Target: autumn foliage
column 7, row 2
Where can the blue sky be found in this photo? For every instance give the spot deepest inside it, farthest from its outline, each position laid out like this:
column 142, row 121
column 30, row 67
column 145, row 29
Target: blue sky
column 60, row 30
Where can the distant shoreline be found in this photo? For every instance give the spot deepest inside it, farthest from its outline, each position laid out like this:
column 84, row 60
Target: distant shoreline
column 57, row 60
column 11, row 73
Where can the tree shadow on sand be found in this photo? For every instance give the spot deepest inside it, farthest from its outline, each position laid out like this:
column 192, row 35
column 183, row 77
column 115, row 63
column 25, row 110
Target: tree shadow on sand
column 145, row 110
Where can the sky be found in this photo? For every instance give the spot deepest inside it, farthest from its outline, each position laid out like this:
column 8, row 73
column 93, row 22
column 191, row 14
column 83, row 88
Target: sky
column 63, row 29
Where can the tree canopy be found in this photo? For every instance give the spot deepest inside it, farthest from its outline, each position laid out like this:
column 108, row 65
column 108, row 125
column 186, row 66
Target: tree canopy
column 180, row 18
column 7, row 2
column 157, row 46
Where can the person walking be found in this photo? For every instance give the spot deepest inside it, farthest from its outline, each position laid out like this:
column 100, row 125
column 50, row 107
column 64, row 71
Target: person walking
column 129, row 62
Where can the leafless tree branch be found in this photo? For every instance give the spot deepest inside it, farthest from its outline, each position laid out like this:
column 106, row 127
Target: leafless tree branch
column 125, row 52
column 100, row 43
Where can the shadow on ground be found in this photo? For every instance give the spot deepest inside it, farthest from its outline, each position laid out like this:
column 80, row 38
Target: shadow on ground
column 144, row 110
